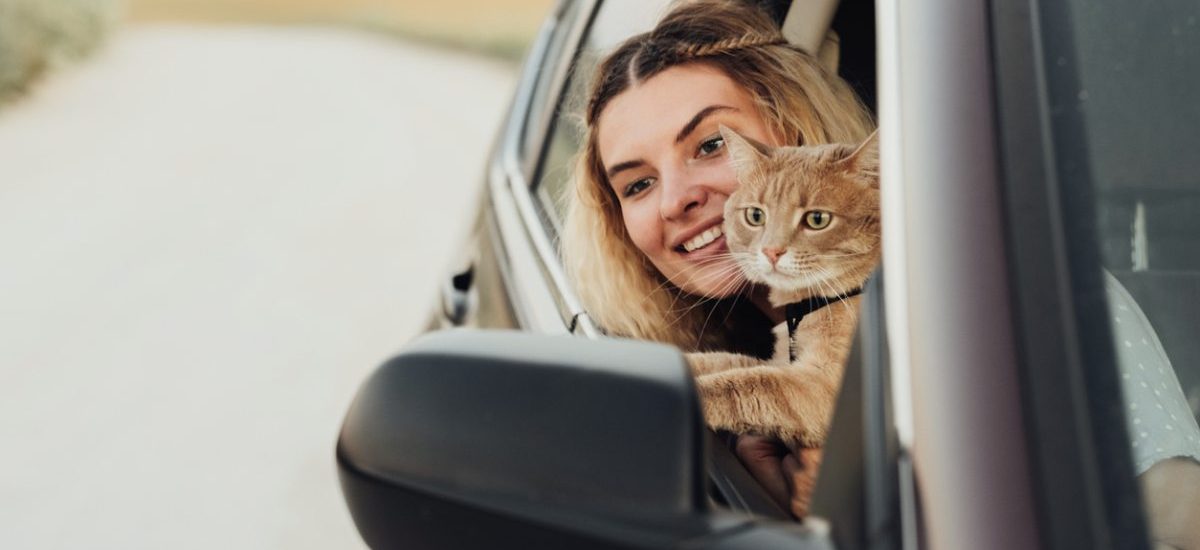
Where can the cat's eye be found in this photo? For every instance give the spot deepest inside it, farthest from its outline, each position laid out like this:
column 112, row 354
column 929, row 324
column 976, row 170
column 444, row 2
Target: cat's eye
column 817, row 219
column 755, row 216
column 711, row 145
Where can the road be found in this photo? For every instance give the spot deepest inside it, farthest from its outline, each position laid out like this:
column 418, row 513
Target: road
column 209, row 236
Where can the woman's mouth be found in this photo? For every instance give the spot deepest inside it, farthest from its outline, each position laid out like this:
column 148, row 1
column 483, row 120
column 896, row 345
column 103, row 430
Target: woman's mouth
column 702, row 240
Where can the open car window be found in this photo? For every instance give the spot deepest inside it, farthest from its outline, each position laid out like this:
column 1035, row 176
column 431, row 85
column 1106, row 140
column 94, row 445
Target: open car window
column 614, row 21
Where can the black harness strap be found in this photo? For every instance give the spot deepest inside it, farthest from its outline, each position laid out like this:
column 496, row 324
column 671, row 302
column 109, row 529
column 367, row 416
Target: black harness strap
column 797, row 310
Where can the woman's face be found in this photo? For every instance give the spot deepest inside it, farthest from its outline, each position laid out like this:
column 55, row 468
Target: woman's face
column 667, row 165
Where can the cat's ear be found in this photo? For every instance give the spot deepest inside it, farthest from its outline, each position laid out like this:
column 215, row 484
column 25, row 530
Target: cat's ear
column 745, row 153
column 863, row 163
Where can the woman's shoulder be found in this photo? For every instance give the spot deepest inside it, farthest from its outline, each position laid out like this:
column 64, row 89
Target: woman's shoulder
column 1159, row 420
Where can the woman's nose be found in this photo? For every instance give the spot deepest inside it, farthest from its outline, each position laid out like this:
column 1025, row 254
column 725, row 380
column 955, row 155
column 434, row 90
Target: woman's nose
column 680, row 197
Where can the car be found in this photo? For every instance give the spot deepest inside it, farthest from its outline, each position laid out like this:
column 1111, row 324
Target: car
column 1030, row 151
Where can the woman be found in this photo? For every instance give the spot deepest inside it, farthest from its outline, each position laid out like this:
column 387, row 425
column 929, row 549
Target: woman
column 642, row 235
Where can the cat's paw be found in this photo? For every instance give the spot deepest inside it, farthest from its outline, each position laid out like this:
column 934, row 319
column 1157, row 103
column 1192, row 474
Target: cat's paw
column 712, row 362
column 698, row 363
column 718, row 401
column 807, row 435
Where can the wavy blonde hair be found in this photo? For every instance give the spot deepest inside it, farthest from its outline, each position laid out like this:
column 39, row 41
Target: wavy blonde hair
column 799, row 100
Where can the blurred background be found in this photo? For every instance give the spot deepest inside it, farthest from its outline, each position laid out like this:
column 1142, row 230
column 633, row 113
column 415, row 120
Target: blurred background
column 216, row 218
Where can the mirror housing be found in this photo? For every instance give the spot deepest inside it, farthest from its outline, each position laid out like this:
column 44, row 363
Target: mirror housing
column 471, row 437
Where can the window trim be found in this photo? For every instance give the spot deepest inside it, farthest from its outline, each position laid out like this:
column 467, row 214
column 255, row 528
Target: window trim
column 513, row 185
column 955, row 385
column 554, row 71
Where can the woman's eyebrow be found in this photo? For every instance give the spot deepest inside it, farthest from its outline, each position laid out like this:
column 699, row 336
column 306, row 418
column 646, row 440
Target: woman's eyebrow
column 696, row 120
column 620, row 166
column 683, row 134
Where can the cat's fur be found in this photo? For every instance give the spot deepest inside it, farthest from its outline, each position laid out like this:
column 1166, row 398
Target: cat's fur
column 793, row 400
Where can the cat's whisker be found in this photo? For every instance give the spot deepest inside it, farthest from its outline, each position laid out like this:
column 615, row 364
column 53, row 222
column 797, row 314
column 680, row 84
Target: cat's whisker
column 681, row 313
column 720, row 291
column 704, row 325
column 829, row 276
column 663, row 286
column 734, row 283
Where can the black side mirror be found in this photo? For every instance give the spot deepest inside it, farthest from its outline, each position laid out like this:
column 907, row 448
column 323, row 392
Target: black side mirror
column 512, row 440
column 467, row 438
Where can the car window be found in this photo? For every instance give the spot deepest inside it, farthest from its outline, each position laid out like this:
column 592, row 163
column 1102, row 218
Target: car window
column 614, row 21
column 1124, row 120
column 541, row 103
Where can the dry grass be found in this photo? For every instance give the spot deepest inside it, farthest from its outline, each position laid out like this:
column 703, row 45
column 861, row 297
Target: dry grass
column 501, row 27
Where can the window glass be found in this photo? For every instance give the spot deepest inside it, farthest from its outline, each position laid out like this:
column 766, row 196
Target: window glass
column 614, row 21
column 1124, row 100
column 540, row 107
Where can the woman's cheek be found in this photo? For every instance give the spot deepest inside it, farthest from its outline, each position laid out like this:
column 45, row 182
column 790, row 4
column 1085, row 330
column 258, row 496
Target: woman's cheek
column 727, row 180
column 643, row 229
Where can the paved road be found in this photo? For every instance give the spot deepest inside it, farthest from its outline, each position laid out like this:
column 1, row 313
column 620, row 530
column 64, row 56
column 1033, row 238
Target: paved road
column 208, row 237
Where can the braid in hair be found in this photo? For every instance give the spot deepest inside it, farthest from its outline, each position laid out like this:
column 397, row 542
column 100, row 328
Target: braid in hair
column 691, row 51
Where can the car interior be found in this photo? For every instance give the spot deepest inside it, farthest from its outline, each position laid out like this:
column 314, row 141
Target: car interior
column 1147, row 226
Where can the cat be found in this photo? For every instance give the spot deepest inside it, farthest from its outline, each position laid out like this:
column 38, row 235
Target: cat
column 804, row 222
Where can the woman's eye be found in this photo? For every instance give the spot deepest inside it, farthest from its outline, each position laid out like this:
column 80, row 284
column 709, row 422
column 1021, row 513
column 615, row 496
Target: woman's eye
column 817, row 219
column 636, row 187
column 755, row 216
column 711, row 145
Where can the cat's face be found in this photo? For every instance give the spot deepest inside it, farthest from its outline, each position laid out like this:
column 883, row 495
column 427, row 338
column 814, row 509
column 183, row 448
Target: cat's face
column 804, row 218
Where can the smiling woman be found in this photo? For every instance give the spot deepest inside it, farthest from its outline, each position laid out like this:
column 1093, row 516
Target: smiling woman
column 673, row 188
column 642, row 236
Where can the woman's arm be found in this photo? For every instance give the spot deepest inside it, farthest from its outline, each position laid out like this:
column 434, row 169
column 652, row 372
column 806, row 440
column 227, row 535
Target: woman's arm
column 1171, row 489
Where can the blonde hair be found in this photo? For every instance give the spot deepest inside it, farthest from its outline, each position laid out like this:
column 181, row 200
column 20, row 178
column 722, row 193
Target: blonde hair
column 798, row 99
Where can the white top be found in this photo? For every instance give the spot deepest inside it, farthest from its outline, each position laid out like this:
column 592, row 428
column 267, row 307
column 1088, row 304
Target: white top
column 1159, row 421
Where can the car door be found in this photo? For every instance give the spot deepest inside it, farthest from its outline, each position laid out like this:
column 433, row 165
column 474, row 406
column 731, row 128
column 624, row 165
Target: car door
column 1036, row 193
column 508, row 275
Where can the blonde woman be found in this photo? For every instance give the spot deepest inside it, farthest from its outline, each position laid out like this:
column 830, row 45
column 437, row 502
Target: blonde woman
column 642, row 239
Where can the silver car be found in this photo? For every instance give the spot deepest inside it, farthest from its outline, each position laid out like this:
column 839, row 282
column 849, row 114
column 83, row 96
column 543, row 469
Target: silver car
column 1032, row 151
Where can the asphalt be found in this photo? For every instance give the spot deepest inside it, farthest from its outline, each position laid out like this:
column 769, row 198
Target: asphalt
column 208, row 237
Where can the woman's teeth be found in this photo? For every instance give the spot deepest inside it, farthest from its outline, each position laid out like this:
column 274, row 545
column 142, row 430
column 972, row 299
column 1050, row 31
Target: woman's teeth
column 704, row 239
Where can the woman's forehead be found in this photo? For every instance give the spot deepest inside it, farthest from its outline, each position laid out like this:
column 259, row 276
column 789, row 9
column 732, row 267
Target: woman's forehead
column 651, row 113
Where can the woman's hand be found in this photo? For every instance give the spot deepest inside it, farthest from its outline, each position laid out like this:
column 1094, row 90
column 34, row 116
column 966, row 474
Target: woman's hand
column 788, row 477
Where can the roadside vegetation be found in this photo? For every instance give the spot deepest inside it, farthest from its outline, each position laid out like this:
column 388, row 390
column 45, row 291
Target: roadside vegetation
column 498, row 28
column 39, row 35
column 36, row 36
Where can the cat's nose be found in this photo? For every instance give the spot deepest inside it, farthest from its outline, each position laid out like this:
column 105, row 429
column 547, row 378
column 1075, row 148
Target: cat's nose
column 773, row 254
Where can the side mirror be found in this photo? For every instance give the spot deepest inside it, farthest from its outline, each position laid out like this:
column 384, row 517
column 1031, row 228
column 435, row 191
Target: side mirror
column 470, row 437
column 501, row 439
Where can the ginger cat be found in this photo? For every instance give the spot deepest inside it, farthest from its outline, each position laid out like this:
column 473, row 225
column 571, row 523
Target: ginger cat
column 805, row 223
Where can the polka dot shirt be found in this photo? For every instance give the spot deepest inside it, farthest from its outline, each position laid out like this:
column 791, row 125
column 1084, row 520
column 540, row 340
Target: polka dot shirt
column 1157, row 415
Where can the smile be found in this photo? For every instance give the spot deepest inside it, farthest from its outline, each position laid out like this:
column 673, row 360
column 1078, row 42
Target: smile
column 704, row 239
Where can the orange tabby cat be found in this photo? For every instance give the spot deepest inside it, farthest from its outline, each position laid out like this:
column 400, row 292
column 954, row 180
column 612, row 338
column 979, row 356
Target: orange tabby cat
column 804, row 222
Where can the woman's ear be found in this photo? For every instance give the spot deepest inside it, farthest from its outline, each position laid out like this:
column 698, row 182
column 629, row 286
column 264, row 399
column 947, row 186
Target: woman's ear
column 863, row 163
column 743, row 153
